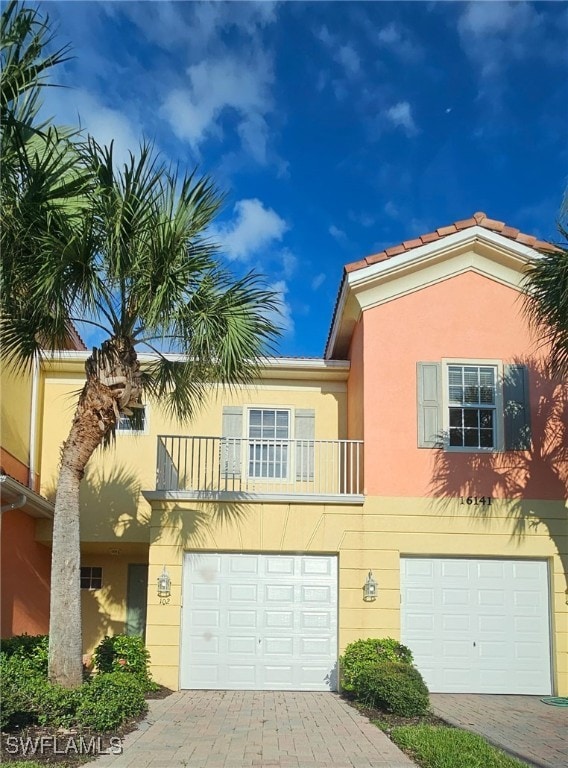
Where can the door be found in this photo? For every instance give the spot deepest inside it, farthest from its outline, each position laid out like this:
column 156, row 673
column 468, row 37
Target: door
column 136, row 599
column 259, row 622
column 476, row 625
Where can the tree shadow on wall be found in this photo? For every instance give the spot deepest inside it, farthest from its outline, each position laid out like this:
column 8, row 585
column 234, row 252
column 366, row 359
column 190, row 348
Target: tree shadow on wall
column 523, row 478
column 195, row 527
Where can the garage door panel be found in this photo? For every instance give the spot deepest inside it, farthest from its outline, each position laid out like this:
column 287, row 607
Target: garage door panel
column 271, row 622
column 280, row 565
column 316, row 566
column 456, row 623
column 495, row 613
column 245, row 646
column 454, row 569
column 279, row 593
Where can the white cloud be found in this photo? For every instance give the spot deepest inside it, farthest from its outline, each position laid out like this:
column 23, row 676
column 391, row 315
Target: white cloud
column 400, row 115
column 397, row 39
column 495, row 33
column 253, row 228
column 348, row 57
column 344, row 54
column 284, row 317
column 214, row 86
column 318, row 281
column 391, row 210
column 336, row 233
column 76, row 107
column 289, row 262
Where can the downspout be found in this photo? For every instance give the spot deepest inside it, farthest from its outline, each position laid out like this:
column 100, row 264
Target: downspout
column 33, row 424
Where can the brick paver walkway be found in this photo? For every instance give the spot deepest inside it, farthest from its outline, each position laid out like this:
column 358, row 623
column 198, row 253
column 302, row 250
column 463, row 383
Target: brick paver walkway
column 241, row 729
column 522, row 725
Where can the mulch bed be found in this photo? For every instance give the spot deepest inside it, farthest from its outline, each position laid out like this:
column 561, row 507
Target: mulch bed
column 388, row 721
column 67, row 747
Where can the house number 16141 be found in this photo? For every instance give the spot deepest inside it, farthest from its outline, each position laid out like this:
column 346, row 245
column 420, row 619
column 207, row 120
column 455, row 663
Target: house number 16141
column 476, row 501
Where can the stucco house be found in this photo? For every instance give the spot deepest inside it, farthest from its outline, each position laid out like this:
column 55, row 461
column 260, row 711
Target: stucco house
column 427, row 446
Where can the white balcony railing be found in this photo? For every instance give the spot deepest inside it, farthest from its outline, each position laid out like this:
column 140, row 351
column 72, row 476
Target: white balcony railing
column 230, row 465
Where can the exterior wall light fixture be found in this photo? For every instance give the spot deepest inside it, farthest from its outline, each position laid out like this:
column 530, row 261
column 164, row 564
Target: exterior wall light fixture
column 164, row 584
column 370, row 588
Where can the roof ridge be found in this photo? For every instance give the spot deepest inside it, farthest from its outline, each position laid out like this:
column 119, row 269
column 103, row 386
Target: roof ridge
column 479, row 219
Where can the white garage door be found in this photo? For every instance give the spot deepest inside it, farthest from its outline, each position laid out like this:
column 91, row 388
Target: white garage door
column 478, row 626
column 259, row 622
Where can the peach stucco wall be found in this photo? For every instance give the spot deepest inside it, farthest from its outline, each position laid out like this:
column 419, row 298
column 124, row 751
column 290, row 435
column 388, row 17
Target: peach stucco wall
column 25, row 577
column 466, row 316
column 355, row 422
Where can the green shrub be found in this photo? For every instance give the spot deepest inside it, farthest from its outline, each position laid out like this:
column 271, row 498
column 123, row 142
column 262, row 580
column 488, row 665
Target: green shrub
column 109, row 699
column 363, row 652
column 33, row 647
column 28, row 698
column 394, row 686
column 126, row 654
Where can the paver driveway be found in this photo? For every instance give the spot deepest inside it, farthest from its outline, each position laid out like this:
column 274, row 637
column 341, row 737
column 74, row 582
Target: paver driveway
column 237, row 729
column 523, row 725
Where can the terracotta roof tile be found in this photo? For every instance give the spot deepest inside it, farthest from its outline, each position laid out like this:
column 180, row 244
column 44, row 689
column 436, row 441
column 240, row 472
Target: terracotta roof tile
column 355, row 265
column 408, row 244
column 525, row 239
column 376, row 257
column 446, row 230
column 495, row 226
column 478, row 219
column 395, row 250
column 465, row 223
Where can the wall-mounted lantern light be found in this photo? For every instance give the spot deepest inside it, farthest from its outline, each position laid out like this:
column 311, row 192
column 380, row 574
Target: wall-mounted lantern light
column 164, row 584
column 370, row 588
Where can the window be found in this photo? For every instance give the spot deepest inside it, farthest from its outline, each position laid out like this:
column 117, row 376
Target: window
column 269, row 433
column 135, row 424
column 91, row 577
column 472, row 403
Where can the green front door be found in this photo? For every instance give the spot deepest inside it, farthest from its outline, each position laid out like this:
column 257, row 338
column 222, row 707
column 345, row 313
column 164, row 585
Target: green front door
column 136, row 599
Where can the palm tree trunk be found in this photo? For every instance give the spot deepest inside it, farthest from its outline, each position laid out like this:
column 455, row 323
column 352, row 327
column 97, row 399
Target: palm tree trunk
column 112, row 384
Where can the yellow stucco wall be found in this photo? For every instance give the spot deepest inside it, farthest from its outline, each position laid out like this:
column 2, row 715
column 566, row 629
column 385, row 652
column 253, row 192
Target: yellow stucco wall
column 373, row 536
column 15, row 396
column 111, row 506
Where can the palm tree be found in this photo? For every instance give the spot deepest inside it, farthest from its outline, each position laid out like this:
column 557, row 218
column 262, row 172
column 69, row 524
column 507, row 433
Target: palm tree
column 546, row 298
column 127, row 254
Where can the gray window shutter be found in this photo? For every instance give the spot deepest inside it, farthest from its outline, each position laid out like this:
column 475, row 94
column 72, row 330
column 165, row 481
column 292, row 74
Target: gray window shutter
column 516, row 408
column 429, row 377
column 231, row 441
column 304, row 433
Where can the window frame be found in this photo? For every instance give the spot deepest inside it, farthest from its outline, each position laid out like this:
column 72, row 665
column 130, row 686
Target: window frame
column 91, row 576
column 499, row 438
column 288, row 477
column 130, row 432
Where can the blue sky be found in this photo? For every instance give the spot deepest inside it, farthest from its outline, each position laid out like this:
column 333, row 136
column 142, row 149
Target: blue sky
column 335, row 129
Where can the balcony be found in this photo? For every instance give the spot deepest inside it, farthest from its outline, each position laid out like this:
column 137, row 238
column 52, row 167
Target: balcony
column 229, row 468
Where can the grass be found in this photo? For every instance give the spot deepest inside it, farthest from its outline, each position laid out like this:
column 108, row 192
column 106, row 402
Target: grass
column 445, row 747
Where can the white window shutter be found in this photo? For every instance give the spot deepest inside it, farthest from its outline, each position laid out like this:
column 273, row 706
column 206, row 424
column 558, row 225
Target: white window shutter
column 304, row 433
column 516, row 408
column 231, row 441
column 429, row 379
